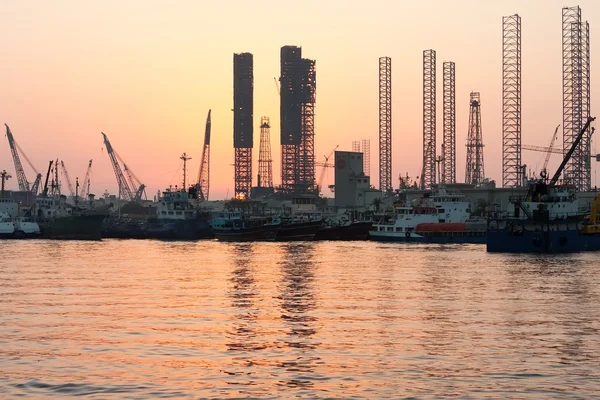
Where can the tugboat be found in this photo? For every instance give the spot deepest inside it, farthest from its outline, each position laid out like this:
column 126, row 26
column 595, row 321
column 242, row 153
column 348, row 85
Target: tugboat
column 440, row 218
column 229, row 226
column 547, row 219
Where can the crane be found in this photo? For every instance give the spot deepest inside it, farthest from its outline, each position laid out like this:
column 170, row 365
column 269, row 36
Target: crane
column 86, row 181
column 325, row 165
column 570, row 152
column 67, row 178
column 203, row 184
column 125, row 187
column 21, row 178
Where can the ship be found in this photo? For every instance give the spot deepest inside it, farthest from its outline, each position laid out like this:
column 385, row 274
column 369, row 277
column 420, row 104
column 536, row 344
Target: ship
column 441, row 217
column 18, row 228
column 342, row 228
column 229, row 226
column 298, row 230
column 178, row 216
column 59, row 220
column 547, row 219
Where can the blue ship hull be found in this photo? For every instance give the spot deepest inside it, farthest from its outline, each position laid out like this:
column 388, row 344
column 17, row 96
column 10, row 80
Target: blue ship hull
column 556, row 236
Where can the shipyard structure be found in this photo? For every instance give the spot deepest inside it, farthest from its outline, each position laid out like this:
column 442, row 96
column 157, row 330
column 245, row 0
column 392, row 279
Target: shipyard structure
column 243, row 120
column 297, row 115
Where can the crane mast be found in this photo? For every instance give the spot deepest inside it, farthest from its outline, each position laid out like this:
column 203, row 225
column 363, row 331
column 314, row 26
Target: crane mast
column 21, row 178
column 570, row 152
column 124, row 188
column 67, row 178
column 204, row 173
column 86, row 181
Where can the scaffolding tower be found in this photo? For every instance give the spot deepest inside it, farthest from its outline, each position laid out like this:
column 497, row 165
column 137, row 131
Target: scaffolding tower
column 363, row 146
column 243, row 111
column 385, row 124
column 475, row 171
column 265, row 164
column 511, row 101
column 576, row 96
column 449, row 140
column 429, row 150
column 297, row 112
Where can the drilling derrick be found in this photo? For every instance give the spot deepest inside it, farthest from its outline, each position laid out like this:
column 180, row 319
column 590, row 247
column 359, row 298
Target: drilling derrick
column 243, row 117
column 449, row 140
column 265, row 164
column 511, row 101
column 475, row 169
column 385, row 124
column 297, row 113
column 429, row 82
column 576, row 96
column 203, row 184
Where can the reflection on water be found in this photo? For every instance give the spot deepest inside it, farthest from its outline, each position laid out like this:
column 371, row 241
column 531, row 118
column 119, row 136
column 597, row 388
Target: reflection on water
column 144, row 319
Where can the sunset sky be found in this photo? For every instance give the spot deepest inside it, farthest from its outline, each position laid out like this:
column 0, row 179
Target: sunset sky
column 147, row 72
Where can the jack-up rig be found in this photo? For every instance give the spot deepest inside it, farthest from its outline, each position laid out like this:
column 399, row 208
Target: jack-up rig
column 130, row 189
column 21, row 178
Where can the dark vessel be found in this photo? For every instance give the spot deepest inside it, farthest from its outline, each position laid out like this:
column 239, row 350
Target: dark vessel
column 177, row 217
column 348, row 231
column 59, row 220
column 293, row 230
column 547, row 219
column 229, row 226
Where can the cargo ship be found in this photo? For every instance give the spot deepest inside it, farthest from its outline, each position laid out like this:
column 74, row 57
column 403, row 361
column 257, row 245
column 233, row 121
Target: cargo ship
column 229, row 226
column 439, row 218
column 59, row 220
column 547, row 219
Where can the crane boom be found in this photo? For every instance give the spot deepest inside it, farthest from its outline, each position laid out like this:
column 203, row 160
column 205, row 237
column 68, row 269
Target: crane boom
column 570, row 152
column 67, row 178
column 21, row 178
column 324, row 169
column 124, row 188
column 549, row 148
column 204, row 173
column 86, row 181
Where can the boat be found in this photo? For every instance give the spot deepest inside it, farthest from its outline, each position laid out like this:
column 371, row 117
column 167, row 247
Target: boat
column 342, row 228
column 229, row 226
column 547, row 219
column 178, row 217
column 296, row 230
column 441, row 217
column 59, row 220
column 18, row 227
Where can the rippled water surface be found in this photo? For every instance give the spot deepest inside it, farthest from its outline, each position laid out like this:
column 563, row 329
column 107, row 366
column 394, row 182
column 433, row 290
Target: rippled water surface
column 143, row 319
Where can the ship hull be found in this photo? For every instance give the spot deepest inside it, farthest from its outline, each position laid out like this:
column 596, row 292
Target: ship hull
column 299, row 231
column 81, row 227
column 261, row 233
column 556, row 237
column 354, row 231
column 190, row 229
column 441, row 238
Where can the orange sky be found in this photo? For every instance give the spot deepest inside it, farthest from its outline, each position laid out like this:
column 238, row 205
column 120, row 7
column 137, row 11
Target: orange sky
column 146, row 73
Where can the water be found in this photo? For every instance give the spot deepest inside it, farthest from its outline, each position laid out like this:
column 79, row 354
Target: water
column 144, row 319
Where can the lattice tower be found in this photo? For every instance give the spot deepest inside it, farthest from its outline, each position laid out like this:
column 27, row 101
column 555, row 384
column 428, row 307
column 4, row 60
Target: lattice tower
column 449, row 140
column 243, row 110
column 475, row 171
column 265, row 164
column 429, row 115
column 366, row 150
column 385, row 124
column 511, row 101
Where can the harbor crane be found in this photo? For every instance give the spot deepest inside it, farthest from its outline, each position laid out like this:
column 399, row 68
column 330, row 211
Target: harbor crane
column 324, row 166
column 15, row 149
column 570, row 152
column 131, row 188
column 203, row 184
column 86, row 181
column 67, row 178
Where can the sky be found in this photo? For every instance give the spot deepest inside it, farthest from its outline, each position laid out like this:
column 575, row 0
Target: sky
column 146, row 72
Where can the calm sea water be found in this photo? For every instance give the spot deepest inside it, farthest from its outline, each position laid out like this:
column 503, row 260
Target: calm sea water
column 145, row 319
